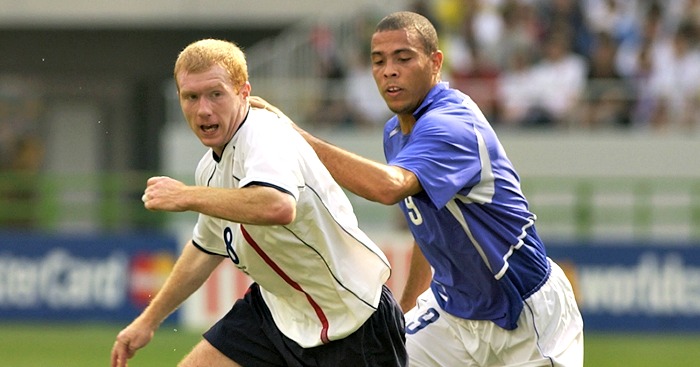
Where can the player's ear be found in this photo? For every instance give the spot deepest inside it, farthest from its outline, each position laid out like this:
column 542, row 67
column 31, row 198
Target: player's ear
column 436, row 59
column 245, row 89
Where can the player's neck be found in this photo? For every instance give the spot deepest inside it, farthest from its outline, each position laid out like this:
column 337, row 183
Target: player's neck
column 406, row 121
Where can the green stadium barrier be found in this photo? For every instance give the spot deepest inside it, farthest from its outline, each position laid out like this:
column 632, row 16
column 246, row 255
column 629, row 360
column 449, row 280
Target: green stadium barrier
column 100, row 202
column 567, row 207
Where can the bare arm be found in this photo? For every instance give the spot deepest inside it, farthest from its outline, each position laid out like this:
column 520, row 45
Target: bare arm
column 363, row 177
column 189, row 273
column 418, row 281
column 252, row 205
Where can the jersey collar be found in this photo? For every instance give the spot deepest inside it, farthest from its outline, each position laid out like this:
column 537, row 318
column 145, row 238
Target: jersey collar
column 429, row 98
column 216, row 157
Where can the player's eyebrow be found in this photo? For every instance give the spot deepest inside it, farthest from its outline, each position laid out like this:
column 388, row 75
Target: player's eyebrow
column 395, row 52
column 205, row 87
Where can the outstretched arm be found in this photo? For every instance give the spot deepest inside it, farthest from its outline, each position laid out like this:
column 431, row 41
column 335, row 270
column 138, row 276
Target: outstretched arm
column 364, row 177
column 189, row 273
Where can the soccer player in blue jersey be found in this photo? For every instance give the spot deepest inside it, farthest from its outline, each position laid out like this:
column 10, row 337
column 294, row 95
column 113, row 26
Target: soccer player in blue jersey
column 481, row 289
column 266, row 202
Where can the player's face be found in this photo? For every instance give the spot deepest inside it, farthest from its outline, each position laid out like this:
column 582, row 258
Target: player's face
column 212, row 105
column 403, row 72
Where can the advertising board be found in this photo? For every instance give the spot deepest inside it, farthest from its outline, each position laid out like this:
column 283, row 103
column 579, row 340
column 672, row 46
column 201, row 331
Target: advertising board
column 103, row 277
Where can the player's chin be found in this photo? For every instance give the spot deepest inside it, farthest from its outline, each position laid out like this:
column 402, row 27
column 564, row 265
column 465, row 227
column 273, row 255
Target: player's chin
column 211, row 141
column 400, row 108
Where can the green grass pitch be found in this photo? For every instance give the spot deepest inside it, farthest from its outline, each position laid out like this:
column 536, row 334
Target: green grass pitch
column 89, row 345
column 85, row 345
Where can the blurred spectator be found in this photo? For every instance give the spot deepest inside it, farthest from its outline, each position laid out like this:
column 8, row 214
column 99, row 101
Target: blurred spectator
column 424, row 8
column 607, row 98
column 649, row 34
column 676, row 80
column 363, row 99
column 516, row 93
column 521, row 30
column 366, row 108
column 450, row 17
column 473, row 53
column 331, row 110
column 557, row 63
column 691, row 13
column 557, row 14
column 644, row 102
column 478, row 32
column 558, row 80
column 519, row 47
column 480, row 82
column 483, row 29
column 618, row 18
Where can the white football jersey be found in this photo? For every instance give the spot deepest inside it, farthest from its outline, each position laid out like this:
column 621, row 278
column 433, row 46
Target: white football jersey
column 321, row 276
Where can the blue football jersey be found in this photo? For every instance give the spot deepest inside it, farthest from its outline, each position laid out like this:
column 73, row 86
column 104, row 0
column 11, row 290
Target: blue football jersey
column 471, row 221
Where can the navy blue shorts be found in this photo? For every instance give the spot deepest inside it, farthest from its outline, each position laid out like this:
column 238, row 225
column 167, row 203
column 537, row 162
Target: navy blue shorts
column 248, row 335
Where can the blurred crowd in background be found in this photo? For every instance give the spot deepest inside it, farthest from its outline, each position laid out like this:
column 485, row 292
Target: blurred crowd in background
column 552, row 64
column 556, row 64
column 570, row 65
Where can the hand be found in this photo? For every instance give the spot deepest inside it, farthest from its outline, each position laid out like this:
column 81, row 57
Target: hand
column 164, row 193
column 259, row 102
column 129, row 340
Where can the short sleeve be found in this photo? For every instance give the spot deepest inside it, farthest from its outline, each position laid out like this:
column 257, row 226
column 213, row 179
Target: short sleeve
column 443, row 153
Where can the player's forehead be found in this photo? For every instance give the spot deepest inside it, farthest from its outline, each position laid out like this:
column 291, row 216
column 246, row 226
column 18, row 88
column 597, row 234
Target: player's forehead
column 191, row 82
column 394, row 41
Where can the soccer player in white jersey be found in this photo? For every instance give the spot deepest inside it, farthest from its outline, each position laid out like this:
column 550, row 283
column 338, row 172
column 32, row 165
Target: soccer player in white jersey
column 267, row 203
column 481, row 290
